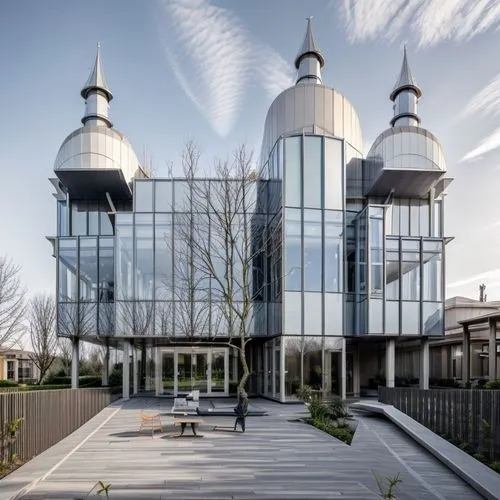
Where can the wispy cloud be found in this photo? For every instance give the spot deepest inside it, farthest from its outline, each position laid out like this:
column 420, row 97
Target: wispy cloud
column 486, row 101
column 222, row 58
column 494, row 274
column 487, row 145
column 430, row 21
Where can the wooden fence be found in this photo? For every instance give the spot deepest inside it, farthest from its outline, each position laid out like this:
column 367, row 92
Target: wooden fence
column 49, row 416
column 469, row 418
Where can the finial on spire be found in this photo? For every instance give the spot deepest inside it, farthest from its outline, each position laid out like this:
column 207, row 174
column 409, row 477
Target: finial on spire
column 405, row 95
column 96, row 94
column 309, row 60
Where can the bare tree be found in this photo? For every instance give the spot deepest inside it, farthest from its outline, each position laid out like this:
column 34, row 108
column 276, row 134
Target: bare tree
column 42, row 319
column 65, row 353
column 77, row 319
column 12, row 303
column 219, row 236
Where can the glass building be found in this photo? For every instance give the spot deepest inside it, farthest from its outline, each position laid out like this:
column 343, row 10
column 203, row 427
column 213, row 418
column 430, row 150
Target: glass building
column 354, row 266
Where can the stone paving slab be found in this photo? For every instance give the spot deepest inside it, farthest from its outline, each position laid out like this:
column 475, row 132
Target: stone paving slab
column 275, row 459
column 479, row 476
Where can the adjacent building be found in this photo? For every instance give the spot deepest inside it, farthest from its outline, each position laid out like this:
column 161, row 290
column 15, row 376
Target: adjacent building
column 355, row 266
column 18, row 366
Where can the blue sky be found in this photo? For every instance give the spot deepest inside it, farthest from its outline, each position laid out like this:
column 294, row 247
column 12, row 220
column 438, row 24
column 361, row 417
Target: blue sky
column 209, row 70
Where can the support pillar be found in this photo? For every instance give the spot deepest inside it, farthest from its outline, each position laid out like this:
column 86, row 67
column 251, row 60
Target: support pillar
column 356, row 374
column 424, row 363
column 75, row 363
column 390, row 362
column 492, row 350
column 126, row 370
column 148, row 360
column 135, row 371
column 343, row 368
column 105, row 367
column 466, row 355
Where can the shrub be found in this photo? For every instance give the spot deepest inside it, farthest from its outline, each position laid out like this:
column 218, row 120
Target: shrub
column 337, row 408
column 494, row 384
column 495, row 465
column 8, row 383
column 116, row 376
column 318, row 410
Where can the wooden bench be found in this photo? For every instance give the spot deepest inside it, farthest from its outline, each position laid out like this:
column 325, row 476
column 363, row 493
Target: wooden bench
column 183, row 421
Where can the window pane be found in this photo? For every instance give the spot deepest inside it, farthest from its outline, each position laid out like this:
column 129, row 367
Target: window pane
column 79, row 218
column 163, row 196
column 312, row 172
column 293, row 178
column 293, row 313
column 144, row 256
column 88, row 269
column 392, row 317
column 437, row 218
column 62, row 218
column 293, row 261
column 333, row 314
column 312, row 314
column 163, row 257
column 376, row 322
column 293, row 362
column 143, row 196
column 181, row 195
column 67, row 270
column 124, row 256
column 410, row 318
column 333, row 251
column 333, row 174
column 432, row 279
column 433, row 318
column 312, row 251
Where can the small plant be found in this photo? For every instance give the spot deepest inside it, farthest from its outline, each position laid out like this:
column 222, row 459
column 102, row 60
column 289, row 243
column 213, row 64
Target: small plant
column 305, row 393
column 493, row 384
column 338, row 408
column 485, row 430
column 387, row 490
column 318, row 410
column 8, row 436
column 495, row 466
column 101, row 487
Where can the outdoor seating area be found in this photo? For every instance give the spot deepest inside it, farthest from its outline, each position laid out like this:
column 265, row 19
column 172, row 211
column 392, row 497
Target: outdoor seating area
column 277, row 457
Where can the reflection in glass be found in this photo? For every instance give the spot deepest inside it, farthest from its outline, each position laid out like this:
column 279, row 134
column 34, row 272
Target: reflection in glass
column 312, row 171
column 62, row 219
column 333, row 251
column 293, row 365
column 293, row 261
column 432, row 277
column 312, row 250
column 432, row 317
column 163, row 256
column 144, row 256
column 333, row 175
column 392, row 270
column 312, row 367
column 78, row 218
column 376, row 320
column 410, row 271
column 293, row 178
column 124, row 256
column 376, row 253
column 67, row 256
column 88, row 269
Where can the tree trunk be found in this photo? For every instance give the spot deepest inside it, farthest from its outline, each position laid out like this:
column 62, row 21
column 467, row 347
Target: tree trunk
column 246, row 371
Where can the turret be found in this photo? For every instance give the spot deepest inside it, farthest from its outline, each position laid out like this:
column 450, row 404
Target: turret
column 97, row 96
column 309, row 60
column 405, row 96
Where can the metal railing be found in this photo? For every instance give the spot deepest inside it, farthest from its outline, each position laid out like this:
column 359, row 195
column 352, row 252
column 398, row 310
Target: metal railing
column 49, row 416
column 469, row 418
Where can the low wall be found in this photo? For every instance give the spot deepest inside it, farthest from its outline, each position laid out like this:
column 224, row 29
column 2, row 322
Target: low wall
column 468, row 418
column 49, row 416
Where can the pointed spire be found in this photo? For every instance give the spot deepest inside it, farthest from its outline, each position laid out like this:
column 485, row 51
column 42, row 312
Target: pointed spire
column 97, row 95
column 405, row 95
column 309, row 60
column 96, row 78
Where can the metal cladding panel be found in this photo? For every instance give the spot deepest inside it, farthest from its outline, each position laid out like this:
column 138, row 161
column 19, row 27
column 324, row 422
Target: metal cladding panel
column 311, row 108
column 406, row 183
column 97, row 147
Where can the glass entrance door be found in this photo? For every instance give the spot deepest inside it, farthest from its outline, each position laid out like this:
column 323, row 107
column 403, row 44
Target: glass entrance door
column 184, row 370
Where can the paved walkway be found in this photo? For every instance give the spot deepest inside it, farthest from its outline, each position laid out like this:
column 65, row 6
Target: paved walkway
column 275, row 458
